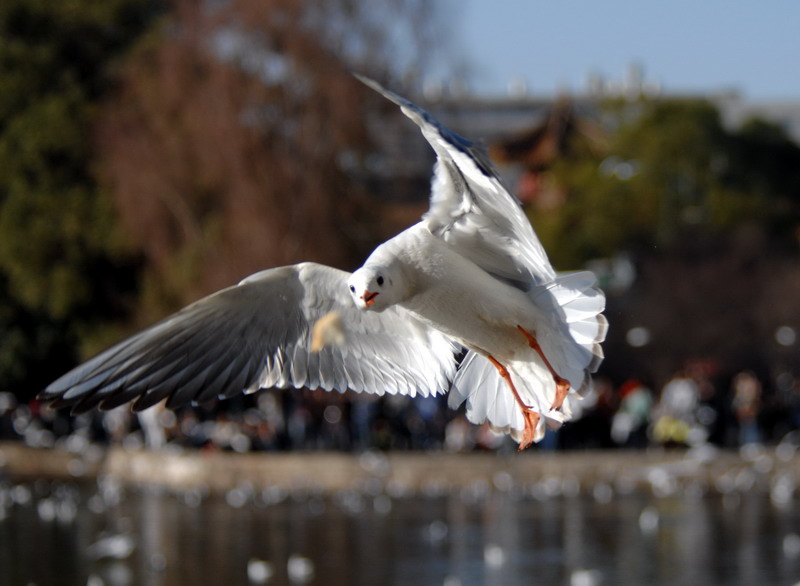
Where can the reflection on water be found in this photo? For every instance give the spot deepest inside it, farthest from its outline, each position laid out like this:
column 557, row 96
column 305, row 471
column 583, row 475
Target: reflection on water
column 62, row 534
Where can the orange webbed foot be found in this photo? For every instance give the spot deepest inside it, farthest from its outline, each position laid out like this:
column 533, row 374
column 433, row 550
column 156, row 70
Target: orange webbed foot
column 562, row 384
column 562, row 389
column 531, row 416
column 529, row 433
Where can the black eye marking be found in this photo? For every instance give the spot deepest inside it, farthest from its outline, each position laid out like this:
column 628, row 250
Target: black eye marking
column 352, row 288
column 380, row 281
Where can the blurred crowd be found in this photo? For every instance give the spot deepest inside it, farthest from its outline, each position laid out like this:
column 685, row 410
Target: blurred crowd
column 691, row 409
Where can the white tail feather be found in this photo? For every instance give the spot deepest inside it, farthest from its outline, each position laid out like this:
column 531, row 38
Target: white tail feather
column 576, row 305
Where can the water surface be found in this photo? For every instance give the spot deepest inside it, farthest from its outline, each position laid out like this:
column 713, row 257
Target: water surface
column 65, row 534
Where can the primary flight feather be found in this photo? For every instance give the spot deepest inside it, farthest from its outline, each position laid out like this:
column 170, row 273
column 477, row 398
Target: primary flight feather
column 470, row 275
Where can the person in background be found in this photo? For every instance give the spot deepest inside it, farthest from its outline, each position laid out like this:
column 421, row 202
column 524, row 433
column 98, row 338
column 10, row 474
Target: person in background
column 674, row 417
column 630, row 422
column 746, row 391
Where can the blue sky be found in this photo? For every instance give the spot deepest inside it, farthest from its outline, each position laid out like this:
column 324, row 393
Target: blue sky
column 685, row 45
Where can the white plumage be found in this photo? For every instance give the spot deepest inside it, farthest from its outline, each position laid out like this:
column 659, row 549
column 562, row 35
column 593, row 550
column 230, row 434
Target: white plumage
column 472, row 274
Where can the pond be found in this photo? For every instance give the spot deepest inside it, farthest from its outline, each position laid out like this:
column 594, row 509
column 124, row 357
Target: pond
column 95, row 535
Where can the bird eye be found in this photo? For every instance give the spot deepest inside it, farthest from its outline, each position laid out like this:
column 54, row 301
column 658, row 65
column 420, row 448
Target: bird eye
column 380, row 281
column 352, row 288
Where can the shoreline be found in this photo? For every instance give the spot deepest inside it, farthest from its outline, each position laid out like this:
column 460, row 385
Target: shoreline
column 399, row 473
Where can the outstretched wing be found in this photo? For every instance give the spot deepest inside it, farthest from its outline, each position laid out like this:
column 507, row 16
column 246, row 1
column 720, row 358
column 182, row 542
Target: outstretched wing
column 470, row 207
column 257, row 334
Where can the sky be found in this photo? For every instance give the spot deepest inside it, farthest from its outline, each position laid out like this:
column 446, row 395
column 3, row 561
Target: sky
column 683, row 45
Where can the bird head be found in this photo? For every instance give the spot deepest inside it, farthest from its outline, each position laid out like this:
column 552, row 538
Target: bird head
column 375, row 288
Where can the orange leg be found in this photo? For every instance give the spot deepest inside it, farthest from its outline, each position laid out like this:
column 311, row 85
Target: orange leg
column 531, row 416
column 562, row 384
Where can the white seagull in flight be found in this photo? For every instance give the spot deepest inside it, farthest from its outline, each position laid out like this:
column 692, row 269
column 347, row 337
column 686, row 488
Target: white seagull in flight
column 471, row 275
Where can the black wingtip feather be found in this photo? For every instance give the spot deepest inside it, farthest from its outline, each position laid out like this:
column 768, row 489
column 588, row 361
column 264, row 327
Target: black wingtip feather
column 426, row 121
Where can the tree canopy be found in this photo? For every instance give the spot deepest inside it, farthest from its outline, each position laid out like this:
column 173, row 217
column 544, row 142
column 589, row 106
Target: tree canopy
column 62, row 263
column 238, row 140
column 672, row 172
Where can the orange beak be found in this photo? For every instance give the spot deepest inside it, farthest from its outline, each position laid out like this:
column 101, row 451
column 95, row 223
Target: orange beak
column 369, row 298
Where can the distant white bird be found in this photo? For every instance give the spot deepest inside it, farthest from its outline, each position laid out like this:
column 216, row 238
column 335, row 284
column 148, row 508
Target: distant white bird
column 116, row 546
column 471, row 275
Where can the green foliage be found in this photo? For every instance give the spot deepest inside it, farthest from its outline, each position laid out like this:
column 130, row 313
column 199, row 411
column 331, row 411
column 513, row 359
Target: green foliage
column 672, row 172
column 60, row 254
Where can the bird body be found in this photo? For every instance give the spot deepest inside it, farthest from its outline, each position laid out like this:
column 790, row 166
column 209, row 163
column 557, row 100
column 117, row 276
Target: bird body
column 471, row 275
column 429, row 279
column 451, row 294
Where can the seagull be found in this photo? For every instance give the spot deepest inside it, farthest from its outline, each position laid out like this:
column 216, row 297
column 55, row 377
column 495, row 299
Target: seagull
column 465, row 301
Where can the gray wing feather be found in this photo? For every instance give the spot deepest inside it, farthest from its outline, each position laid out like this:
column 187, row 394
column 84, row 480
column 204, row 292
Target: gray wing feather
column 255, row 335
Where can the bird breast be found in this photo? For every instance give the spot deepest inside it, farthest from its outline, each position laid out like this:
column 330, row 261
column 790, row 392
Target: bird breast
column 458, row 298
